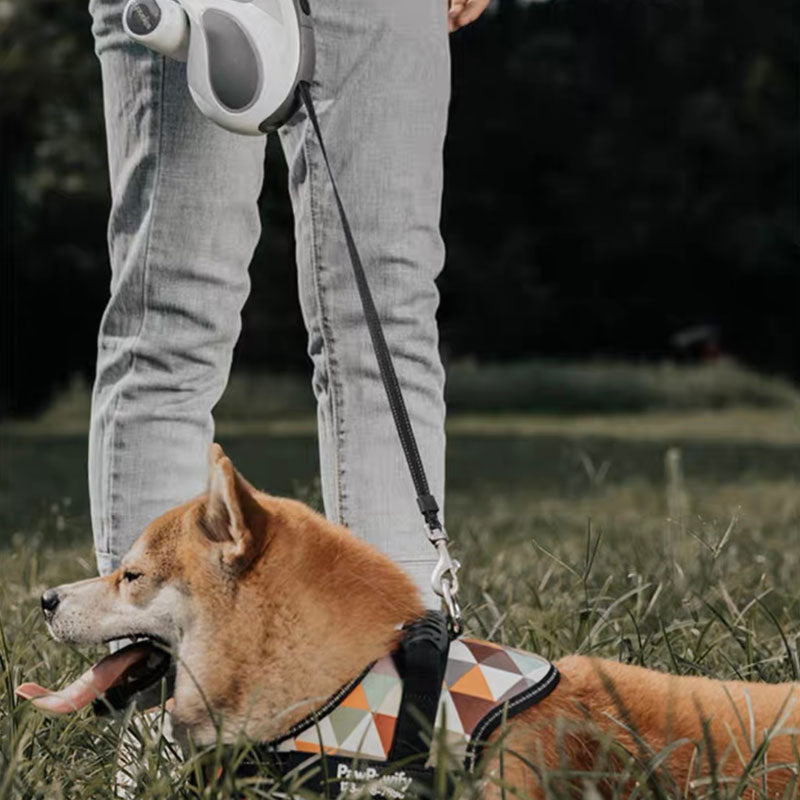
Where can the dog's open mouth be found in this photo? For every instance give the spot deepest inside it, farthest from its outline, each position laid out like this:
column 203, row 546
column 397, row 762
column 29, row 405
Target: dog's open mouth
column 109, row 684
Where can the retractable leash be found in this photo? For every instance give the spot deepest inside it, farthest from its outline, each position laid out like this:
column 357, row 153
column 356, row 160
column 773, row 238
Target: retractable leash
column 249, row 66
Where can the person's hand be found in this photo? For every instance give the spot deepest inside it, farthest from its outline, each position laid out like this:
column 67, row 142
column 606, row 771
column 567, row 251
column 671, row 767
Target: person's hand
column 462, row 12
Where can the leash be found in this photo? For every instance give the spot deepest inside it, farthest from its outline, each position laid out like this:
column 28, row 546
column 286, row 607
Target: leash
column 444, row 579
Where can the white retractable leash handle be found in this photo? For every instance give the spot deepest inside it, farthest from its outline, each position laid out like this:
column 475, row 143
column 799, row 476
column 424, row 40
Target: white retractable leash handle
column 249, row 66
column 244, row 58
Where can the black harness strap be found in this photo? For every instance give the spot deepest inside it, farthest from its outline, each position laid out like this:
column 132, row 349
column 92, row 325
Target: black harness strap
column 425, row 500
column 421, row 660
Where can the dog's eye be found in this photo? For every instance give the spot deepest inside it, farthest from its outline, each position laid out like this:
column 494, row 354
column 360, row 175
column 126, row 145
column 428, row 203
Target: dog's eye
column 130, row 576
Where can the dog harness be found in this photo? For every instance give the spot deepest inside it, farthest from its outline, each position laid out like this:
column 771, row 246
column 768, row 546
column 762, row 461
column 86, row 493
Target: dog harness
column 380, row 733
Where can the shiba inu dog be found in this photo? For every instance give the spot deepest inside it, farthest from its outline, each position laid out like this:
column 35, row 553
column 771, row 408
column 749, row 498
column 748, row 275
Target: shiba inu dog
column 268, row 609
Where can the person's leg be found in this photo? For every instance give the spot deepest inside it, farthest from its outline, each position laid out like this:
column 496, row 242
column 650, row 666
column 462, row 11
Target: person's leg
column 381, row 88
column 184, row 223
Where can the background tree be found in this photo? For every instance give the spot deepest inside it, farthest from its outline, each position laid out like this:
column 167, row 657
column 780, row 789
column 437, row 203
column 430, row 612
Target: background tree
column 616, row 172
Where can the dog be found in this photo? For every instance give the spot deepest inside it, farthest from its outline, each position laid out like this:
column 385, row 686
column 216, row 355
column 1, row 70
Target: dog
column 269, row 608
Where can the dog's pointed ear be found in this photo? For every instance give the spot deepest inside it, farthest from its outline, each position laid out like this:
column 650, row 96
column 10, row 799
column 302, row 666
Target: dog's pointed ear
column 232, row 516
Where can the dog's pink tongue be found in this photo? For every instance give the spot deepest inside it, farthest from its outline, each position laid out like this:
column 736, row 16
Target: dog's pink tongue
column 90, row 685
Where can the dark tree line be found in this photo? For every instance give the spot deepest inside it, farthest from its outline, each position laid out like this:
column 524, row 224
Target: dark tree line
column 617, row 171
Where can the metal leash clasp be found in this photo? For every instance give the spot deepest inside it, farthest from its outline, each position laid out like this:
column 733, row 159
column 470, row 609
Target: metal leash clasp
column 444, row 581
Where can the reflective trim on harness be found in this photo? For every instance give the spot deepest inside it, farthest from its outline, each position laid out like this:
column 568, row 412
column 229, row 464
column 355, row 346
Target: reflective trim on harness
column 371, row 723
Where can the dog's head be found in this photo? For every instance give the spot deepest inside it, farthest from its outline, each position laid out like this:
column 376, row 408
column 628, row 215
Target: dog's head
column 251, row 595
column 192, row 552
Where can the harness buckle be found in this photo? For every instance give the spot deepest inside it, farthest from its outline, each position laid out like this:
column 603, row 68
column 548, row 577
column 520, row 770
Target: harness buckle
column 444, row 582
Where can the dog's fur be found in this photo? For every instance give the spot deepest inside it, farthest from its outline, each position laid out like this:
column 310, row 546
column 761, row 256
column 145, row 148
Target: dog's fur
column 270, row 608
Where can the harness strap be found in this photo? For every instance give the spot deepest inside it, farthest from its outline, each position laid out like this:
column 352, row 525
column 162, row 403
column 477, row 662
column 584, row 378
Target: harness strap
column 444, row 576
column 421, row 660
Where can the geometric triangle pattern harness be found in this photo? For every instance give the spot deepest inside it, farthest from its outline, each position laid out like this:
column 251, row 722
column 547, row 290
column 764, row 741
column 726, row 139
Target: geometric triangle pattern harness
column 483, row 684
column 361, row 724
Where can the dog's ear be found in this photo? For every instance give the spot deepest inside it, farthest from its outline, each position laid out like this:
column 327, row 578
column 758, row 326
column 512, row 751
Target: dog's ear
column 232, row 516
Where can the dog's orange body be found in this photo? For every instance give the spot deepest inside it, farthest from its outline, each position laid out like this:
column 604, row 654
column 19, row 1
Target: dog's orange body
column 652, row 714
column 270, row 608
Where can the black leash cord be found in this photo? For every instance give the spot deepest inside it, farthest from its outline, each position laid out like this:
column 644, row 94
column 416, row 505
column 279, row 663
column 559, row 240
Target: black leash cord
column 425, row 500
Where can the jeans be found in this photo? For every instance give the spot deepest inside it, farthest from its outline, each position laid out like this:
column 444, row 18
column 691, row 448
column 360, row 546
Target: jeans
column 183, row 227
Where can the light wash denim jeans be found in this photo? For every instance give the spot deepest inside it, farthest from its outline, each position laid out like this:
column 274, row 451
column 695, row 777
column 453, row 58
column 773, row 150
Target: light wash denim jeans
column 183, row 227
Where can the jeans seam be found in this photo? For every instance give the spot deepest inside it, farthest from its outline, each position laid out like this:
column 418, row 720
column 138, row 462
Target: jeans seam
column 327, row 338
column 157, row 71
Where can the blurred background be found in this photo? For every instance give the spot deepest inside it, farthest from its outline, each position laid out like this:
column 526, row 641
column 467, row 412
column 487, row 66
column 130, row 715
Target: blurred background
column 620, row 184
column 622, row 271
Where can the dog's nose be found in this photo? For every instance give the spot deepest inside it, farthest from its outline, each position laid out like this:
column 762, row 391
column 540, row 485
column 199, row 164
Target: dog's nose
column 50, row 601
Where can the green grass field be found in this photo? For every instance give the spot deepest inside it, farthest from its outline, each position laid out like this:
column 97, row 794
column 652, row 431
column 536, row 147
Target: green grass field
column 665, row 538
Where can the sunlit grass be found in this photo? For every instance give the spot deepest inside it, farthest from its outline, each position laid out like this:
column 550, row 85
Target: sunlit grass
column 681, row 564
column 284, row 402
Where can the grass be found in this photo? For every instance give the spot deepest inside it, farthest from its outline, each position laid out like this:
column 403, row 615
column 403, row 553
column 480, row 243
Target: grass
column 611, row 387
column 667, row 539
column 535, row 386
